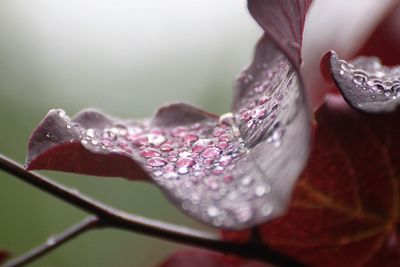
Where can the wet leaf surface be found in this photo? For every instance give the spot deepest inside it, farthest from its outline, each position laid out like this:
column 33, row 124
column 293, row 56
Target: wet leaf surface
column 365, row 83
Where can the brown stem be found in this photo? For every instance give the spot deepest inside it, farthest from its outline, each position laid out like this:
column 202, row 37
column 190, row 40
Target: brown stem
column 54, row 242
column 112, row 217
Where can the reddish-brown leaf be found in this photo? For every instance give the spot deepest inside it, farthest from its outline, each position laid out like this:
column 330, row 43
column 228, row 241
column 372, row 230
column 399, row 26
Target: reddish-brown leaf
column 345, row 208
column 384, row 42
column 3, row 256
column 203, row 258
column 283, row 22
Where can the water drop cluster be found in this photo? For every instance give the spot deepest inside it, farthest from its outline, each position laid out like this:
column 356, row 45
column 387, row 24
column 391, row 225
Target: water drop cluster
column 202, row 166
column 369, row 75
column 263, row 106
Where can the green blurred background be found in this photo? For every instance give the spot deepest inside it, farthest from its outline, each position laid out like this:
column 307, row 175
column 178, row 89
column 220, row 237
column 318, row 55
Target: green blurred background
column 125, row 57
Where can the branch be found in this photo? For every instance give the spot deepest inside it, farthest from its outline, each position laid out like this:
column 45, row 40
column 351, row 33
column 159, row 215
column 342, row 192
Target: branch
column 112, row 217
column 52, row 243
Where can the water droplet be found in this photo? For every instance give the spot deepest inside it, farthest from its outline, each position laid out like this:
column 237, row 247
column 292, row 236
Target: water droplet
column 276, row 137
column 158, row 173
column 119, row 129
column 156, row 162
column 247, row 180
column 95, row 142
column 387, row 93
column 218, row 170
column 190, row 138
column 90, row 132
column 108, row 135
column 225, row 160
column 150, row 153
column 184, row 154
column 183, row 170
column 218, row 132
column 166, row 147
column 48, row 135
column 171, row 175
column 211, row 152
column 262, row 190
column 156, row 139
column 200, row 145
column 266, row 210
column 264, row 99
column 246, row 116
column 179, row 131
column 222, row 145
column 359, row 77
column 212, row 211
column 185, row 162
column 243, row 213
column 107, row 143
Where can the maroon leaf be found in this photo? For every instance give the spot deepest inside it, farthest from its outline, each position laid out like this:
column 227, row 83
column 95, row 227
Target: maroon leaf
column 3, row 256
column 203, row 258
column 345, row 207
column 283, row 22
column 366, row 84
column 232, row 171
column 384, row 42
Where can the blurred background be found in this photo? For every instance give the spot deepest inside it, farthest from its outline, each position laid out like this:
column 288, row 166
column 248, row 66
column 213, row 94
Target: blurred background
column 126, row 58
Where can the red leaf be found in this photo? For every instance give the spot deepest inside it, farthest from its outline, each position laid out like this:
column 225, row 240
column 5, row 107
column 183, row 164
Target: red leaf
column 229, row 171
column 203, row 258
column 3, row 256
column 384, row 42
column 345, row 208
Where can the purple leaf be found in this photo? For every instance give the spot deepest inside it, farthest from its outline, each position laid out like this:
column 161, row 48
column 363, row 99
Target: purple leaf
column 283, row 22
column 3, row 256
column 365, row 83
column 231, row 171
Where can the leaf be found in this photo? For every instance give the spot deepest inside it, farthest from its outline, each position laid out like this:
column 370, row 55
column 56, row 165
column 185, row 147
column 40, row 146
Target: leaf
column 365, row 84
column 345, row 208
column 3, row 256
column 230, row 171
column 283, row 22
column 203, row 258
column 384, row 41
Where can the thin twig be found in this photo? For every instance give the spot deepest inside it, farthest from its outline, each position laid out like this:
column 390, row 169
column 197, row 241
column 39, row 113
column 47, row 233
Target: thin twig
column 113, row 217
column 54, row 242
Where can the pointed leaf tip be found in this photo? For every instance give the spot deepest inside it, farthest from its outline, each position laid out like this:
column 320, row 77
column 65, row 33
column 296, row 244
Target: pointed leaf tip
column 283, row 23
